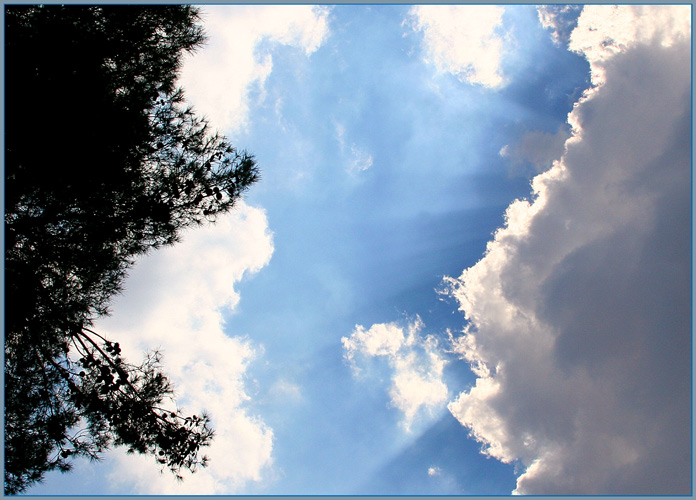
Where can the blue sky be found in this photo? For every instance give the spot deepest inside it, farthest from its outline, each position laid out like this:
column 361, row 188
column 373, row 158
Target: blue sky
column 395, row 308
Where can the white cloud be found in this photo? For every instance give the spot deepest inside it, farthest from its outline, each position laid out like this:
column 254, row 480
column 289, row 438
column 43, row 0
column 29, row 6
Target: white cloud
column 606, row 30
column 434, row 471
column 175, row 299
column 579, row 312
column 462, row 40
column 416, row 363
column 218, row 77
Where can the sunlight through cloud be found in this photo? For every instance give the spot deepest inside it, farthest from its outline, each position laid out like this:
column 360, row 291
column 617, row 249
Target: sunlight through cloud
column 417, row 365
column 585, row 293
column 462, row 40
column 219, row 77
column 175, row 301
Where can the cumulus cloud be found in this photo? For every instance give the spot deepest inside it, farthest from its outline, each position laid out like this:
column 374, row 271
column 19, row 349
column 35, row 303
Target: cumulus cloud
column 604, row 31
column 579, row 313
column 219, row 77
column 416, row 363
column 175, row 300
column 463, row 40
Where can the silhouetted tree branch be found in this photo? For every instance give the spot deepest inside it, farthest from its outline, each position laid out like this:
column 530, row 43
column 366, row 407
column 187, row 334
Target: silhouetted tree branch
column 104, row 162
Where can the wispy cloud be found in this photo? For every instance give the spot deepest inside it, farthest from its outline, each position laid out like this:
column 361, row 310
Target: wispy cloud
column 219, row 77
column 416, row 365
column 176, row 300
column 360, row 160
column 463, row 40
column 579, row 312
column 538, row 148
column 560, row 20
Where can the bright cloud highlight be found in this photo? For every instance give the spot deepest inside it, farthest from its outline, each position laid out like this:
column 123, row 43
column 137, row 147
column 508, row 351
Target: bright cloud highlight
column 416, row 363
column 604, row 31
column 219, row 77
column 175, row 300
column 462, row 40
column 434, row 471
column 579, row 312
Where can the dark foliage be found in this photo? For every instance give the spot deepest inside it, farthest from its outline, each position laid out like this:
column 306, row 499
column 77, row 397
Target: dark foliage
column 103, row 162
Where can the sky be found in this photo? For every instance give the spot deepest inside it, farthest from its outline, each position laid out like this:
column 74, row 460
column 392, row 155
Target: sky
column 466, row 269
